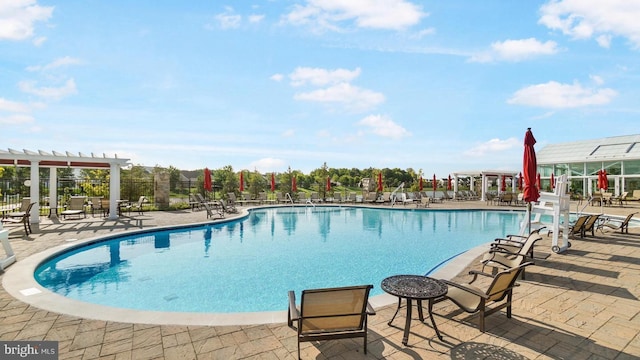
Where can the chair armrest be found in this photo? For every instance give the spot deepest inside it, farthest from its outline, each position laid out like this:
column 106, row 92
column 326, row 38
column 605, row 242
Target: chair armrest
column 462, row 287
column 293, row 310
column 370, row 310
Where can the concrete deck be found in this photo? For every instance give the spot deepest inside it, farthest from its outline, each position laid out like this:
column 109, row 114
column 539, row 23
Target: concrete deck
column 580, row 304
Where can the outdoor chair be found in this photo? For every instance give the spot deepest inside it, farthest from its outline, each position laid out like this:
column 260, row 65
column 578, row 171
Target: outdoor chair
column 213, row 210
column 622, row 225
column 500, row 258
column 475, row 299
column 592, row 224
column 95, row 202
column 228, row 208
column 577, row 228
column 138, row 206
column 21, row 217
column 331, row 313
column 75, row 207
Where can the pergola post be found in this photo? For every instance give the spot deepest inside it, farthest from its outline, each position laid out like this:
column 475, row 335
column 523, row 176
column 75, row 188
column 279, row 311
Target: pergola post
column 114, row 192
column 34, row 192
column 53, row 191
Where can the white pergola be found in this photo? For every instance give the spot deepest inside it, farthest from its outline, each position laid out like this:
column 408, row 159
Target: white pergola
column 54, row 160
column 484, row 174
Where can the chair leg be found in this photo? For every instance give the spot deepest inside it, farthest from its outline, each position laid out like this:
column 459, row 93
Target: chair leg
column 481, row 314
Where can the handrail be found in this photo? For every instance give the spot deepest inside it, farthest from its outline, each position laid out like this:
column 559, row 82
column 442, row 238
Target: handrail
column 579, row 212
column 393, row 193
column 287, row 195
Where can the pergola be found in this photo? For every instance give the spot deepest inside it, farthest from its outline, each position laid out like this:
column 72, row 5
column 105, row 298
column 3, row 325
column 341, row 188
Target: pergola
column 484, row 174
column 53, row 161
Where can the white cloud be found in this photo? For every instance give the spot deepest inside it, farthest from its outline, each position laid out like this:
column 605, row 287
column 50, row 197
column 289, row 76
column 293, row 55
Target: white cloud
column 493, row 146
column 555, row 95
column 277, row 77
column 228, row 19
column 18, row 18
column 320, row 77
column 64, row 61
column 353, row 97
column 16, row 119
column 255, row 18
column 289, row 133
column 379, row 14
column 597, row 79
column 583, row 19
column 516, row 50
column 267, row 165
column 12, row 106
column 384, row 126
column 29, row 87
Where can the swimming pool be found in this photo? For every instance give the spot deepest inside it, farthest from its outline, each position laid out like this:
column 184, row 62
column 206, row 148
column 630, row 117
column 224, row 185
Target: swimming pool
column 249, row 265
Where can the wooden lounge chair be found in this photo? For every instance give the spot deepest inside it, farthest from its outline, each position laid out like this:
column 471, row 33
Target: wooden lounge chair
column 622, row 225
column 331, row 313
column 21, row 217
column 75, row 207
column 474, row 299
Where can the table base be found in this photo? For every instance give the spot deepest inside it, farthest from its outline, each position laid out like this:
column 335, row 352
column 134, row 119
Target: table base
column 407, row 326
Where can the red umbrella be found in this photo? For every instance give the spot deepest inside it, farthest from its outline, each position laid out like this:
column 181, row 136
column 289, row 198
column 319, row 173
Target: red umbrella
column 503, row 184
column 273, row 182
column 529, row 168
column 207, row 179
column 538, row 183
column 603, row 182
column 435, row 183
column 420, row 186
column 241, row 181
column 379, row 182
column 294, row 186
column 553, row 181
column 328, row 183
column 520, row 182
column 449, row 183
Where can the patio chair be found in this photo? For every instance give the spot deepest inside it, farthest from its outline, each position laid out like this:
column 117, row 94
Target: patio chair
column 213, row 210
column 577, row 228
column 501, row 259
column 331, row 313
column 591, row 224
column 622, row 225
column 75, row 207
column 138, row 206
column 228, row 208
column 95, row 202
column 474, row 299
column 21, row 217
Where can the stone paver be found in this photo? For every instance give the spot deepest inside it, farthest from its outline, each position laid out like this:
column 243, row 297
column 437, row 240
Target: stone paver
column 581, row 304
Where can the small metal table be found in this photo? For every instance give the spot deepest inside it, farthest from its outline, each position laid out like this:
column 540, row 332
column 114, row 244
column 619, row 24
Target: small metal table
column 414, row 287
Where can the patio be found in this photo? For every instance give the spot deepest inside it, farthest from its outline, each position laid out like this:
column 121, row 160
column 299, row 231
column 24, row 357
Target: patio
column 581, row 304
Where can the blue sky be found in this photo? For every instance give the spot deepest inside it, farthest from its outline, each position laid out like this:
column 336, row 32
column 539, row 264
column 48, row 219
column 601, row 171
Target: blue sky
column 437, row 86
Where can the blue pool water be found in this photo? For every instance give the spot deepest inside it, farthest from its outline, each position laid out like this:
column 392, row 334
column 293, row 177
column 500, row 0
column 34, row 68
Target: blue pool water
column 250, row 264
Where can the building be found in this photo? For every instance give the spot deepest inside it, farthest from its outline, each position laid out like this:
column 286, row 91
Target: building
column 581, row 161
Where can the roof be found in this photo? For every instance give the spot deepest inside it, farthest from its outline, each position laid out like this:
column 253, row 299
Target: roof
column 54, row 159
column 616, row 148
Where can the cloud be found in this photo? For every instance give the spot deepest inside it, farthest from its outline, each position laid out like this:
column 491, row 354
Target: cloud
column 254, row 19
column 12, row 106
column 29, row 87
column 228, row 19
column 555, row 95
column 516, row 50
column 380, row 14
column 352, row 97
column 64, row 61
column 289, row 133
column 267, row 165
column 320, row 77
column 584, row 19
column 16, row 119
column 18, row 18
column 277, row 77
column 493, row 146
column 384, row 126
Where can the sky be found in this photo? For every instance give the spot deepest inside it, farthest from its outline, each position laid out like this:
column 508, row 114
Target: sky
column 436, row 86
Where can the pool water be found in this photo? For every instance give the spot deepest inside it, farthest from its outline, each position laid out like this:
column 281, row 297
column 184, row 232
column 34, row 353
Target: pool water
column 249, row 265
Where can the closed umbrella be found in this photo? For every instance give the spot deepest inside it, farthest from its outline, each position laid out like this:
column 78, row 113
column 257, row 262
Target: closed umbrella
column 328, row 183
column 603, row 185
column 449, row 183
column 273, row 182
column 435, row 185
column 241, row 181
column 420, row 185
column 529, row 169
column 207, row 180
column 503, row 184
column 294, row 186
column 520, row 182
column 553, row 182
column 379, row 182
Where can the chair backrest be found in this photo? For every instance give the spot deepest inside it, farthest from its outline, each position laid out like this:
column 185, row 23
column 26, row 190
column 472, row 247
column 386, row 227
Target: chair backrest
column 503, row 281
column 333, row 309
column 579, row 224
column 337, row 196
column 76, row 203
column 27, row 212
column 529, row 242
column 588, row 225
column 627, row 219
column 141, row 200
column 25, row 204
column 96, row 201
column 232, row 197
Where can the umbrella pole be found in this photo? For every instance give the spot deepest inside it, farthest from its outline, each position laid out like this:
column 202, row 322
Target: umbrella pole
column 529, row 215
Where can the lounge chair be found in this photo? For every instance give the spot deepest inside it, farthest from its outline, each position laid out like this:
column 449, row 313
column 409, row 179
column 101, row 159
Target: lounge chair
column 95, row 202
column 621, row 199
column 337, row 197
column 577, row 228
column 424, row 202
column 622, row 225
column 591, row 224
column 231, row 198
column 352, row 197
column 213, row 210
column 514, row 243
column 474, row 299
column 21, row 217
column 371, row 198
column 138, row 206
column 228, row 208
column 75, row 207
column 500, row 258
column 331, row 313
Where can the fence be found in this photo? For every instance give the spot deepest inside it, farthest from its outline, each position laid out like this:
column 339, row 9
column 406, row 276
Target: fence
column 12, row 191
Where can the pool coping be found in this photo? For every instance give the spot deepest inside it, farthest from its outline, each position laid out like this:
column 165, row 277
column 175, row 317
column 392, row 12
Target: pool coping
column 18, row 281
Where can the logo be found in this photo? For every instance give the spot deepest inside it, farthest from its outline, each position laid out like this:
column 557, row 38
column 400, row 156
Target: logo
column 29, row 350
